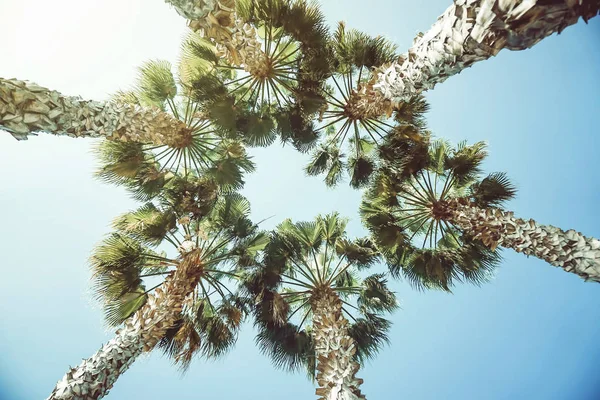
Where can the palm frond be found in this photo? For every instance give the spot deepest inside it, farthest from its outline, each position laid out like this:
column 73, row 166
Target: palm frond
column 360, row 170
column 375, row 296
column 156, row 83
column 493, row 190
column 370, row 334
column 147, row 224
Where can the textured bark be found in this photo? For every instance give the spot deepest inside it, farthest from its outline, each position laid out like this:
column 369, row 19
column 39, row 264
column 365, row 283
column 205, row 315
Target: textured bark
column 569, row 250
column 475, row 30
column 236, row 41
column 335, row 349
column 94, row 377
column 193, row 9
column 26, row 108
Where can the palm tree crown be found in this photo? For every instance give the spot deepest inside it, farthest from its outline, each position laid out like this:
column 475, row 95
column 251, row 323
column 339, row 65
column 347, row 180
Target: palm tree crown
column 212, row 237
column 304, row 263
column 404, row 211
column 349, row 112
column 269, row 95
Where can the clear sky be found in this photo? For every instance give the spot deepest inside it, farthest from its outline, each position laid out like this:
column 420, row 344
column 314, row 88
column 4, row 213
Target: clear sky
column 532, row 333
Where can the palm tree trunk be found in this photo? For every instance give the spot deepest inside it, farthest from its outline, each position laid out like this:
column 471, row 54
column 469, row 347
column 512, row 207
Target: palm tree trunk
column 475, row 30
column 193, row 9
column 569, row 250
column 94, row 377
column 335, row 349
column 26, row 108
column 236, row 41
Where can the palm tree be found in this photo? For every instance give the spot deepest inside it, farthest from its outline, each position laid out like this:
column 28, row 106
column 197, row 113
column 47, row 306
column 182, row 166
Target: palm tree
column 472, row 31
column 254, row 35
column 188, row 308
column 207, row 145
column 439, row 220
column 349, row 113
column 26, row 108
column 310, row 272
column 274, row 96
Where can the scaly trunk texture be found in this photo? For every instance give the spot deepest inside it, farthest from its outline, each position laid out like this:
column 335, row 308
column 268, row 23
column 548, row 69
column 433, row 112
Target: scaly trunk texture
column 193, row 9
column 475, row 30
column 236, row 41
column 26, row 108
column 334, row 348
column 94, row 377
column 569, row 250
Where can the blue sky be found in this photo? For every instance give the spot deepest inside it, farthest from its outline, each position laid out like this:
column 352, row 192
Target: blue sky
column 532, row 333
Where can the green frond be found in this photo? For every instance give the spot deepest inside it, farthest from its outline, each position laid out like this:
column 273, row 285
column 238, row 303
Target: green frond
column 287, row 348
column 333, row 227
column 465, row 161
column 301, row 20
column 126, row 164
column 309, row 233
column 156, row 83
column 208, row 90
column 370, row 334
column 248, row 249
column 357, row 49
column 493, row 190
column 336, row 168
column 361, row 252
column 376, row 296
column 219, row 335
column 426, row 269
column 412, row 111
column 387, row 233
column 147, row 224
column 295, row 129
column 117, row 264
column 182, row 342
column 117, row 310
column 319, row 162
column 119, row 161
column 189, row 195
column 360, row 170
column 198, row 57
column 257, row 129
column 228, row 170
column 439, row 151
column 229, row 209
column 204, row 330
column 127, row 97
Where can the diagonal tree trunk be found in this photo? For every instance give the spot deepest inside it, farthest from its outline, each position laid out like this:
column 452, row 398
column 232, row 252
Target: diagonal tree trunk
column 475, row 30
column 569, row 250
column 334, row 348
column 94, row 377
column 26, row 108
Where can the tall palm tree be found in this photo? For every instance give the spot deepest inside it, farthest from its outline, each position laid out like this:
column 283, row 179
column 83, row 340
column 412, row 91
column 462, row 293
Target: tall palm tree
column 349, row 113
column 472, row 31
column 310, row 273
column 26, row 108
column 438, row 219
column 179, row 302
